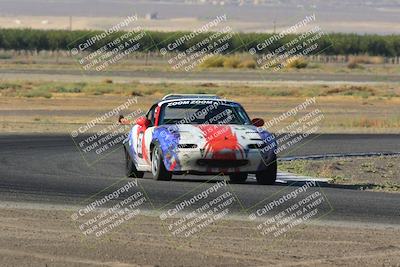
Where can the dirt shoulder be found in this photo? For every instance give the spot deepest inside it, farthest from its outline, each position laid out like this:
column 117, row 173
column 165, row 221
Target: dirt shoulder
column 48, row 238
column 346, row 109
column 369, row 173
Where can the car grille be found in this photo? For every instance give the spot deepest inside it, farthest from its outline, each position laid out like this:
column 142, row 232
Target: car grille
column 187, row 146
column 222, row 163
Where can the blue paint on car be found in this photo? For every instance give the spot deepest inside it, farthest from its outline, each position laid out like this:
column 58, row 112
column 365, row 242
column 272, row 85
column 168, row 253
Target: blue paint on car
column 268, row 147
column 168, row 138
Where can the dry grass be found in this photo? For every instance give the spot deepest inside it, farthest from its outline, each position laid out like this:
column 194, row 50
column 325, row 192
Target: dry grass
column 366, row 59
column 247, row 64
column 78, row 102
column 298, row 63
column 353, row 65
column 109, row 87
column 356, row 61
column 141, row 62
column 352, row 90
column 375, row 123
column 229, row 62
column 347, row 108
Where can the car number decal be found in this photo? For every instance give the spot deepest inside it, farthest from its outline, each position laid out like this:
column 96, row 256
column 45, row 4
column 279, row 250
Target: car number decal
column 139, row 144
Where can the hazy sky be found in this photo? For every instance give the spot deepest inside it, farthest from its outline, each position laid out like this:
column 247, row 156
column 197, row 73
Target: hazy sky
column 382, row 16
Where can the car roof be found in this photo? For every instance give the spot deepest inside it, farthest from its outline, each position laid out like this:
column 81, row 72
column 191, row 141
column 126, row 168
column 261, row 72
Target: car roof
column 184, row 97
column 179, row 96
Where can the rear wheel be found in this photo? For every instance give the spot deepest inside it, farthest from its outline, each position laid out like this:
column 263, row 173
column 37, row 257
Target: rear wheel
column 238, row 178
column 268, row 176
column 157, row 166
column 130, row 168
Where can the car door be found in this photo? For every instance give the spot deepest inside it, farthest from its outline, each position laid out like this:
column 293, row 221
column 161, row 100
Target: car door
column 144, row 135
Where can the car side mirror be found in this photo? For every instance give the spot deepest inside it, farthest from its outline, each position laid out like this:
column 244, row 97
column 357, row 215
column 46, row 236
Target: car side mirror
column 123, row 120
column 258, row 122
column 143, row 121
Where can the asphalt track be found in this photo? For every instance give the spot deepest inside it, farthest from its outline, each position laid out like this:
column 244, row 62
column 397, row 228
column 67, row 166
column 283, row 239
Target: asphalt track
column 49, row 169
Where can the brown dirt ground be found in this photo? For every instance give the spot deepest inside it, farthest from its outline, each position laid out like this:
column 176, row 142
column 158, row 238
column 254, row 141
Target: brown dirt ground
column 48, row 238
column 61, row 114
column 371, row 173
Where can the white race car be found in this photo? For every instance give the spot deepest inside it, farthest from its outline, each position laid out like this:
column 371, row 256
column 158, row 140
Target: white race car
column 200, row 134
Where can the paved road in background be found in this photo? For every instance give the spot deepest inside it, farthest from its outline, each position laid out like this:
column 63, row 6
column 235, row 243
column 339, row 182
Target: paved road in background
column 203, row 76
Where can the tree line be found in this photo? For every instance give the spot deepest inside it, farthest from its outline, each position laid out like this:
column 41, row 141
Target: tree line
column 329, row 44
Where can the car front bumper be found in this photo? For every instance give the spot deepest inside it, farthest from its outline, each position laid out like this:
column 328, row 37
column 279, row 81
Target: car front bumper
column 194, row 161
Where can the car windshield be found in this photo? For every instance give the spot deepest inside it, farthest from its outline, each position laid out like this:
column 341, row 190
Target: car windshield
column 203, row 112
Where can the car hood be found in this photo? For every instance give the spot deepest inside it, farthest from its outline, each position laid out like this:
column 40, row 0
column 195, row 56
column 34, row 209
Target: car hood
column 229, row 135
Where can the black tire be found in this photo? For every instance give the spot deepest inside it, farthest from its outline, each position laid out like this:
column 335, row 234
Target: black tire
column 238, row 178
column 268, row 176
column 158, row 169
column 130, row 168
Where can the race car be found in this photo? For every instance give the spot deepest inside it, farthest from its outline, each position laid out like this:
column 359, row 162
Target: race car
column 199, row 134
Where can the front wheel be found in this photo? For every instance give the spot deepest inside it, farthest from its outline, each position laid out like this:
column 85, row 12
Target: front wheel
column 268, row 176
column 157, row 166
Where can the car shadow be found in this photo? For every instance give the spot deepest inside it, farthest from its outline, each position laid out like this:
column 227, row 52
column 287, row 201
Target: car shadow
column 359, row 187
